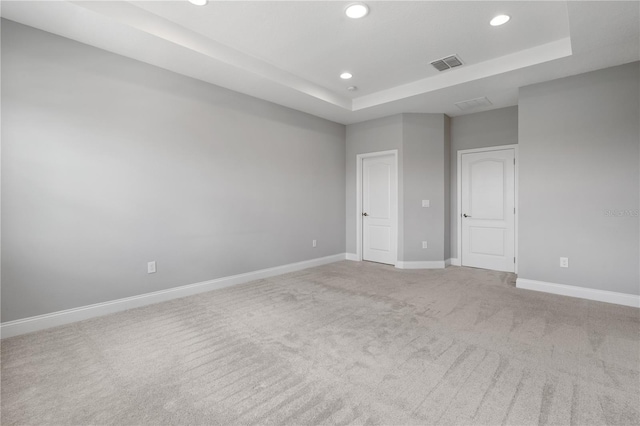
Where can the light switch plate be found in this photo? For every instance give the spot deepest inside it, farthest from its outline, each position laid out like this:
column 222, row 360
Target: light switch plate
column 426, row 203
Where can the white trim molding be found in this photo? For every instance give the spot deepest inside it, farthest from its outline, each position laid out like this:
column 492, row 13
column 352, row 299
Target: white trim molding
column 428, row 264
column 580, row 292
column 352, row 256
column 54, row 319
column 454, row 261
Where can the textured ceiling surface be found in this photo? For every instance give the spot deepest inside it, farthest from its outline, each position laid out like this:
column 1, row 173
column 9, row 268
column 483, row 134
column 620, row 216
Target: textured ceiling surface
column 292, row 52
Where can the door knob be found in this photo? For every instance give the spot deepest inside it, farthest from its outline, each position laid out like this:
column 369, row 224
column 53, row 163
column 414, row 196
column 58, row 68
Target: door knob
column 466, row 215
column 364, row 214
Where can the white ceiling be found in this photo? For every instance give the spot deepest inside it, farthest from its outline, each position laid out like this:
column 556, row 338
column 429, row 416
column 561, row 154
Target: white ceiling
column 292, row 52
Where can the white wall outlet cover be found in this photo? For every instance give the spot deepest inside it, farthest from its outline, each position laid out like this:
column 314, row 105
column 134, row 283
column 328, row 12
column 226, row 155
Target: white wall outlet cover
column 151, row 267
column 564, row 262
column 426, row 203
column 424, row 244
column 314, row 243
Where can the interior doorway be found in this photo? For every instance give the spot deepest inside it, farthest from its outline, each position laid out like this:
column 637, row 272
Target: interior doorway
column 487, row 208
column 377, row 207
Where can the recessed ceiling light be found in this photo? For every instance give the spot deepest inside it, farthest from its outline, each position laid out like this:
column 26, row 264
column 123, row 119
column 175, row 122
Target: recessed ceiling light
column 352, row 88
column 499, row 20
column 346, row 75
column 198, row 2
column 357, row 10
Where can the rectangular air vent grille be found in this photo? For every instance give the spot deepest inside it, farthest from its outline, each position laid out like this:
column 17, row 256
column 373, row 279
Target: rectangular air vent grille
column 447, row 63
column 473, row 103
column 440, row 65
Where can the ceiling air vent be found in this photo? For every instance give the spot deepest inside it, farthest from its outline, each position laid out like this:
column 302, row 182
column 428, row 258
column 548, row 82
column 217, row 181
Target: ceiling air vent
column 447, row 63
column 473, row 103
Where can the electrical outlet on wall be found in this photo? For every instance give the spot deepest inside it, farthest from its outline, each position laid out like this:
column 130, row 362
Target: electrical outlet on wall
column 314, row 243
column 151, row 267
column 564, row 262
column 424, row 244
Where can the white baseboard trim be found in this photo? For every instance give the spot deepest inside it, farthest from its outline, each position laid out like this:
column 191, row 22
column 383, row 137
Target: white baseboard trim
column 41, row 322
column 580, row 292
column 352, row 256
column 428, row 264
column 454, row 261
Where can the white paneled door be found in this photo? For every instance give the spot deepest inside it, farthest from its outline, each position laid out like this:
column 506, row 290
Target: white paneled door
column 379, row 201
column 488, row 209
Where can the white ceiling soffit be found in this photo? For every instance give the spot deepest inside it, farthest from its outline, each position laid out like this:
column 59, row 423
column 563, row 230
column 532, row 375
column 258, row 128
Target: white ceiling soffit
column 291, row 52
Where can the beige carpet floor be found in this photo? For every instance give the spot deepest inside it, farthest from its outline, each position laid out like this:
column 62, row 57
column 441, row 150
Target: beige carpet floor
column 346, row 343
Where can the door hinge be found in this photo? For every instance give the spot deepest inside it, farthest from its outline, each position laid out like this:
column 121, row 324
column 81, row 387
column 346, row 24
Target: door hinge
column 514, row 260
column 514, row 161
column 514, row 210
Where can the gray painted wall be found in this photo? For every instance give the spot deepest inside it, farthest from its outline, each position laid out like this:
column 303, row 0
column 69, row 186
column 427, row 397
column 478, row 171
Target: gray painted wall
column 424, row 179
column 109, row 163
column 447, row 188
column 420, row 141
column 372, row 136
column 478, row 130
column 579, row 149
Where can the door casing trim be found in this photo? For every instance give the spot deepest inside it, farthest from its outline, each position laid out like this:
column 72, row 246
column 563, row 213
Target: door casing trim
column 359, row 159
column 459, row 195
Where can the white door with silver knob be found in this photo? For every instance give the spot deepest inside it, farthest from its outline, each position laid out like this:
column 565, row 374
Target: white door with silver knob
column 488, row 209
column 379, row 201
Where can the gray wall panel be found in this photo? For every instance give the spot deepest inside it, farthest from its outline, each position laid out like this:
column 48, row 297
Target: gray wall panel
column 420, row 141
column 424, row 179
column 579, row 180
column 371, row 136
column 109, row 163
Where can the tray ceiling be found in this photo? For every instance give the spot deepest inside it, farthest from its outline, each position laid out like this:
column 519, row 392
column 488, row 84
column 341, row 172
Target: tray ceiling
column 292, row 52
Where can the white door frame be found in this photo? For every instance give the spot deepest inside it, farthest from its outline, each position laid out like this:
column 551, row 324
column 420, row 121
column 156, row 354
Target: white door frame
column 517, row 169
column 359, row 159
